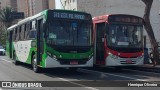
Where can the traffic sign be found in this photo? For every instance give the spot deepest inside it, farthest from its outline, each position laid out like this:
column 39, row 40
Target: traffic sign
column 18, row 15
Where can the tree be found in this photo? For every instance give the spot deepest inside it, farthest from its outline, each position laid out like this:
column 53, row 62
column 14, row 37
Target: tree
column 62, row 4
column 149, row 30
column 5, row 21
column 6, row 16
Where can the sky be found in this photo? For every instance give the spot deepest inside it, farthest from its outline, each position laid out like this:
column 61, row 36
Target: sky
column 58, row 4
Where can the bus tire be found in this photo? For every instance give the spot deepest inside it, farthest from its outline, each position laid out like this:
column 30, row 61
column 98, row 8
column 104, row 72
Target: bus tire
column 14, row 59
column 35, row 67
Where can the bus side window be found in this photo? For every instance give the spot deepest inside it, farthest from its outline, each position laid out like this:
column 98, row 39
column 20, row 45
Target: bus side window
column 32, row 31
column 16, row 34
column 30, row 26
column 24, row 36
column 13, row 37
column 27, row 31
column 20, row 30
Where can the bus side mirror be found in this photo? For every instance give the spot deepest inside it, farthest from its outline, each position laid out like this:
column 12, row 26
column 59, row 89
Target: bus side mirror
column 44, row 27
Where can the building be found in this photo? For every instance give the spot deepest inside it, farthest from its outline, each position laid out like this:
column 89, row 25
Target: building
column 31, row 7
column 52, row 4
column 36, row 6
column 13, row 4
column 22, row 6
column 4, row 3
column 71, row 4
column 133, row 7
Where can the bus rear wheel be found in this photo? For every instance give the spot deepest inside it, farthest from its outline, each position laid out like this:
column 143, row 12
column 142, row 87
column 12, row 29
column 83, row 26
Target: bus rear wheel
column 15, row 60
column 35, row 67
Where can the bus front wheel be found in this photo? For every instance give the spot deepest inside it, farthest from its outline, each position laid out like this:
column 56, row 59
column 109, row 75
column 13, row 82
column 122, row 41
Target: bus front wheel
column 36, row 68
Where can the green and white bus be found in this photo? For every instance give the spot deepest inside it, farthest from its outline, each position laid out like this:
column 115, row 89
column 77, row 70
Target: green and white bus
column 52, row 38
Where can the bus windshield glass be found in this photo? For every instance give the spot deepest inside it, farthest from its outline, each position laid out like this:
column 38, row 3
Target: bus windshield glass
column 125, row 36
column 69, row 33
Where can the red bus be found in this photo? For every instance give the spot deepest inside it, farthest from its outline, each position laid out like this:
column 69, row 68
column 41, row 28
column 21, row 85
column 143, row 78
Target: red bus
column 118, row 40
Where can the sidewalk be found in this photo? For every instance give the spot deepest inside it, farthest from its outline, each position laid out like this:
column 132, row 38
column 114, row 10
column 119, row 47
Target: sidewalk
column 149, row 68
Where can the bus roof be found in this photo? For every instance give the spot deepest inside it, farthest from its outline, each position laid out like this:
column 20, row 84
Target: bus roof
column 105, row 17
column 69, row 11
column 40, row 14
column 26, row 19
column 12, row 27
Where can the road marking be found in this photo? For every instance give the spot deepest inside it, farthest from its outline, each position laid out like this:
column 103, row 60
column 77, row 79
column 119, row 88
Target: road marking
column 87, row 87
column 114, row 75
column 77, row 84
column 6, row 60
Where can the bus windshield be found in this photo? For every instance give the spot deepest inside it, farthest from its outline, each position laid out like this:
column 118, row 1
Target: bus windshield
column 125, row 36
column 69, row 33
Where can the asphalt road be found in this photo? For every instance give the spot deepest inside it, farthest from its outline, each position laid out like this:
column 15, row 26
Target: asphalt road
column 23, row 72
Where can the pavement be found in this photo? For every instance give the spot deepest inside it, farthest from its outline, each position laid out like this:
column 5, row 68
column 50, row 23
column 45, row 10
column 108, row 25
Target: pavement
column 10, row 72
column 148, row 68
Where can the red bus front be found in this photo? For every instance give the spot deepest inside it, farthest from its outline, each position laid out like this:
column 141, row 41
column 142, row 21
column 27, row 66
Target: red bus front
column 118, row 40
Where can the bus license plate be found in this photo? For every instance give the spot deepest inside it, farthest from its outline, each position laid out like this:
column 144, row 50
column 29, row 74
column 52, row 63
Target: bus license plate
column 128, row 61
column 73, row 62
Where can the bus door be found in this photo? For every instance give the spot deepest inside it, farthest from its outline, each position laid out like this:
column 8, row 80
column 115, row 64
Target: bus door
column 10, row 43
column 100, row 50
column 40, row 42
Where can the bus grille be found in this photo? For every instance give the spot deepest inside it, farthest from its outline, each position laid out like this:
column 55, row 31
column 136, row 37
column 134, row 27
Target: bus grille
column 124, row 62
column 67, row 62
column 129, row 57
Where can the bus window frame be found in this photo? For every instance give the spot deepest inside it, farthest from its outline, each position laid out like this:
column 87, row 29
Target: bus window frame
column 32, row 28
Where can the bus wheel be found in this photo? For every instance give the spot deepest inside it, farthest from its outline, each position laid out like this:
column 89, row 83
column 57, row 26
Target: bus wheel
column 35, row 67
column 15, row 60
column 73, row 69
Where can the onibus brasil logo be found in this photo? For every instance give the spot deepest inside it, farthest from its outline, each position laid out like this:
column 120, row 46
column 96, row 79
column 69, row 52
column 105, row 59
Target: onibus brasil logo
column 20, row 84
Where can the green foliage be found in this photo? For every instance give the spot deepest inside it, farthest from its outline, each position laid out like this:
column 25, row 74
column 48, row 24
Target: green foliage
column 3, row 37
column 6, row 16
column 5, row 22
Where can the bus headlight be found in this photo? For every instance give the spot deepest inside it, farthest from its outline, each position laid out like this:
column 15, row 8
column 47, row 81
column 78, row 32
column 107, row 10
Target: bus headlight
column 113, row 56
column 140, row 57
column 90, row 57
column 54, row 57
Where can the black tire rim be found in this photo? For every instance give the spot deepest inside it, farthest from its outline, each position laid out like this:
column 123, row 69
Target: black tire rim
column 34, row 64
column 14, row 57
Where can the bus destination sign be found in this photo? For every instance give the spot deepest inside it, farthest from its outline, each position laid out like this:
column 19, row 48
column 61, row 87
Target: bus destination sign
column 66, row 15
column 126, row 19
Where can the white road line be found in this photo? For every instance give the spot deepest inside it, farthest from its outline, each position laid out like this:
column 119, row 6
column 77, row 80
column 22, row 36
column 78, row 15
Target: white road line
column 6, row 60
column 77, row 84
column 113, row 75
column 87, row 87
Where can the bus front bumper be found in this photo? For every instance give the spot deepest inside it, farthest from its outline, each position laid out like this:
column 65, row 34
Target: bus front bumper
column 51, row 63
column 110, row 61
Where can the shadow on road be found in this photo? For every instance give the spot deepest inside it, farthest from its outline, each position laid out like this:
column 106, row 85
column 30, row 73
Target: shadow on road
column 85, row 75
